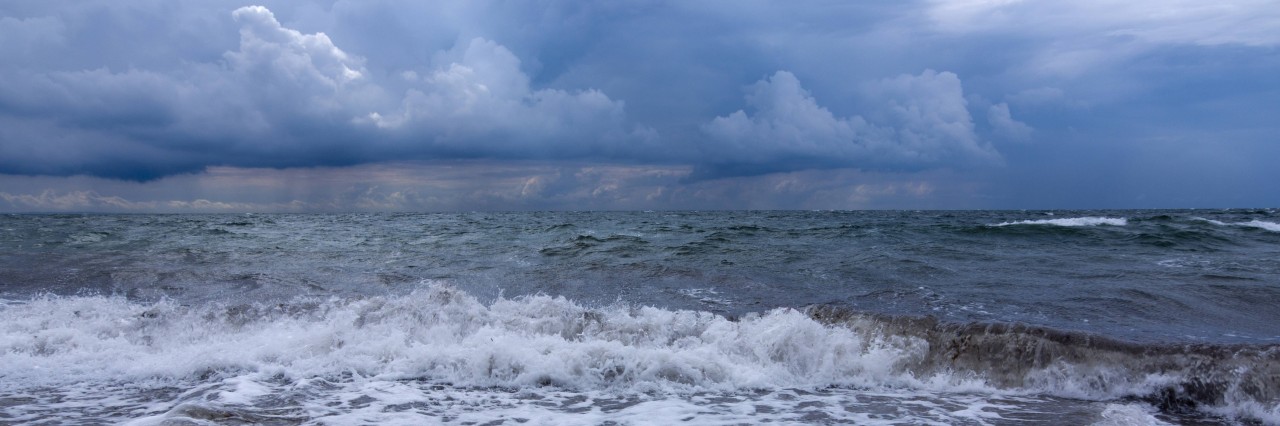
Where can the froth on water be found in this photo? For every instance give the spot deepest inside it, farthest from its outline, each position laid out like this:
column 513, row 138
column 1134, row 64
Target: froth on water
column 441, row 353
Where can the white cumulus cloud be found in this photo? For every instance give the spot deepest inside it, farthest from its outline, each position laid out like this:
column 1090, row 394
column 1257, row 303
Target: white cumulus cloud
column 924, row 123
column 277, row 52
column 478, row 92
column 1005, row 126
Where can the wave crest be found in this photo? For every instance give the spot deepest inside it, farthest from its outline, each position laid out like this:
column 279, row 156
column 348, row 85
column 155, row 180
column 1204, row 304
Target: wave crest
column 1242, row 380
column 1270, row 226
column 1074, row 221
column 1259, row 224
column 441, row 334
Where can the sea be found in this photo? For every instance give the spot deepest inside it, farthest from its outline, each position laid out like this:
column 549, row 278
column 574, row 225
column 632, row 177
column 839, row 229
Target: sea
column 1092, row 317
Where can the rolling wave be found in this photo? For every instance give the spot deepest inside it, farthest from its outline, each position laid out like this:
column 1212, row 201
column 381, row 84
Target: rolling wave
column 1074, row 221
column 1259, row 224
column 443, row 335
column 1239, row 380
column 1270, row 226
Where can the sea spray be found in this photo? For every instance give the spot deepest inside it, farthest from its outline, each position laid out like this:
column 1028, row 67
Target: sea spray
column 442, row 336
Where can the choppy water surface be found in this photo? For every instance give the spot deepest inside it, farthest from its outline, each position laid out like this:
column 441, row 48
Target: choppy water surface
column 984, row 317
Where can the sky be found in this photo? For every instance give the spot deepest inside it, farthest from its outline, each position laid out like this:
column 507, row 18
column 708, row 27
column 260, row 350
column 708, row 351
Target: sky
column 452, row 105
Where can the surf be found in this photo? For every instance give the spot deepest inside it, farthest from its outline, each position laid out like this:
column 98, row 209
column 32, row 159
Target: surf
column 155, row 358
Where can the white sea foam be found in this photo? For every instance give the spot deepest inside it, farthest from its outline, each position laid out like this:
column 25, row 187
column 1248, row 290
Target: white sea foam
column 552, row 407
column 705, row 295
column 441, row 353
column 1074, row 221
column 1260, row 224
column 1270, row 226
column 1211, row 221
column 1129, row 415
column 441, row 334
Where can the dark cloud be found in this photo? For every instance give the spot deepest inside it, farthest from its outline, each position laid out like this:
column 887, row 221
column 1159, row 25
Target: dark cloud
column 1011, row 92
column 284, row 98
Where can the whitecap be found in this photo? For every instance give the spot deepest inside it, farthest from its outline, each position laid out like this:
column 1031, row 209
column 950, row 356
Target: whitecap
column 440, row 352
column 1270, row 226
column 1211, row 221
column 1074, row 221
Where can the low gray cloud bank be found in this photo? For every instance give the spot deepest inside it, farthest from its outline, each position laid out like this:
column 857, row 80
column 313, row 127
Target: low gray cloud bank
column 285, row 98
column 289, row 99
column 1174, row 108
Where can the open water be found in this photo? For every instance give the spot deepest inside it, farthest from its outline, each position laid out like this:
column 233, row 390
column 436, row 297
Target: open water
column 877, row 317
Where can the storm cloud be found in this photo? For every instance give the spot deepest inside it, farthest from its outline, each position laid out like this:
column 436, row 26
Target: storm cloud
column 288, row 99
column 284, row 98
column 1015, row 97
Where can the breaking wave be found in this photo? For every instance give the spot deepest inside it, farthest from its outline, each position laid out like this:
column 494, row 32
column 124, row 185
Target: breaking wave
column 1235, row 380
column 1074, row 221
column 365, row 348
column 1259, row 224
column 1270, row 226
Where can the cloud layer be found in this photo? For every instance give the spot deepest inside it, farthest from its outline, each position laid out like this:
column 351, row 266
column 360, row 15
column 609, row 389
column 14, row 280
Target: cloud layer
column 285, row 98
column 1034, row 103
column 288, row 99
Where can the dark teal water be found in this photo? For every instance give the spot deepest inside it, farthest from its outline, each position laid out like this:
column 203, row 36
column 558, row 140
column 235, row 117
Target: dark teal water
column 1172, row 311
column 1196, row 276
